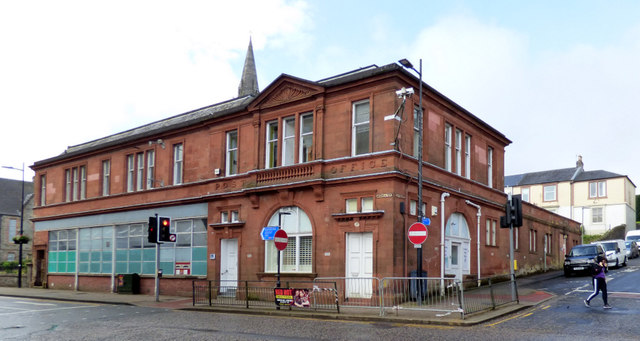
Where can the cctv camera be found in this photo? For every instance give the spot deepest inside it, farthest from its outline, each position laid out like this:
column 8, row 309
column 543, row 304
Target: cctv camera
column 404, row 92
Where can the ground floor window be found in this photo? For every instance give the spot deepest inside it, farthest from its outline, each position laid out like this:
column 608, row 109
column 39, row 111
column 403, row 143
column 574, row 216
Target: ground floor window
column 124, row 249
column 297, row 257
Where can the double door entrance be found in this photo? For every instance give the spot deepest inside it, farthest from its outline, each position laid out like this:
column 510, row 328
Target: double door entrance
column 359, row 265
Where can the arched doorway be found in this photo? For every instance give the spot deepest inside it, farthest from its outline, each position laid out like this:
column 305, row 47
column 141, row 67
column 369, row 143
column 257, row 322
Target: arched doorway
column 457, row 243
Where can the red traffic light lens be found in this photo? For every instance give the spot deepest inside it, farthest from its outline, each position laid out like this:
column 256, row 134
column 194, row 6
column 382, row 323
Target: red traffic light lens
column 165, row 222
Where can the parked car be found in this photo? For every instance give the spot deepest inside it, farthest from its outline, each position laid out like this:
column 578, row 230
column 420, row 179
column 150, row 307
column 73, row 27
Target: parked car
column 633, row 235
column 632, row 249
column 581, row 257
column 615, row 252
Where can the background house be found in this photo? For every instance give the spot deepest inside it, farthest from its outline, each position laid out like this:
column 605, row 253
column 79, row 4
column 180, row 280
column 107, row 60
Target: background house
column 599, row 199
column 10, row 207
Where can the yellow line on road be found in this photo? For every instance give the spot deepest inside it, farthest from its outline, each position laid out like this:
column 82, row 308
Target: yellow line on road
column 430, row 326
column 510, row 318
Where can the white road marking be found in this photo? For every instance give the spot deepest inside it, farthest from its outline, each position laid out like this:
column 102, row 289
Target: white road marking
column 35, row 303
column 43, row 310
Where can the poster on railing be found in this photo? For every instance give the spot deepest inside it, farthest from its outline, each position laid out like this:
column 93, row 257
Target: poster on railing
column 292, row 297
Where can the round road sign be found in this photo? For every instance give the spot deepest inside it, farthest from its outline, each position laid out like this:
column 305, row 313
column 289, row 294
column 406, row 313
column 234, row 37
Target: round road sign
column 281, row 239
column 418, row 233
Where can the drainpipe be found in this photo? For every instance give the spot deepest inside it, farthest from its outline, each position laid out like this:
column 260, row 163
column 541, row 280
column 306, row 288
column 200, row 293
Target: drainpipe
column 442, row 222
column 478, row 238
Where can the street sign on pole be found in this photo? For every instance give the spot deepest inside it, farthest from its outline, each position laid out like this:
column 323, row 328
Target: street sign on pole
column 268, row 232
column 281, row 239
column 417, row 233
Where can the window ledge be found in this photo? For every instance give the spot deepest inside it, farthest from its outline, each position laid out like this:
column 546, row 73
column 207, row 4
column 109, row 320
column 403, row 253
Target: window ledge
column 230, row 225
column 357, row 215
column 311, row 275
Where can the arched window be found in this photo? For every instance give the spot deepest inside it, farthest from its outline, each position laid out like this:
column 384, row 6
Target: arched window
column 297, row 257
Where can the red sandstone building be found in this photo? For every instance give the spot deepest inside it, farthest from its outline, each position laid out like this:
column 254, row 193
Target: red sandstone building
column 334, row 154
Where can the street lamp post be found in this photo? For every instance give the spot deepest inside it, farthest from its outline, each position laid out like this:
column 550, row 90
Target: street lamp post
column 407, row 64
column 21, row 222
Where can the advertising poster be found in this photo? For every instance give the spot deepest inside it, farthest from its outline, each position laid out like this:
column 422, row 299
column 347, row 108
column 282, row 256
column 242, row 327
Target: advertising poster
column 292, row 297
column 284, row 297
column 301, row 298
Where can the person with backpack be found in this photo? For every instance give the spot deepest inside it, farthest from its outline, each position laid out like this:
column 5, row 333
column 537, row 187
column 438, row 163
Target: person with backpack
column 599, row 282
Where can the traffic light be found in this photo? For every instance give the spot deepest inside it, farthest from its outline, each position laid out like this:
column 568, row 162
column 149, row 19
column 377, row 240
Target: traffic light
column 513, row 212
column 516, row 210
column 164, row 229
column 153, row 230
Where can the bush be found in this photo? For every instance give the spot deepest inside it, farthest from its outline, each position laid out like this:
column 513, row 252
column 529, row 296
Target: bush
column 589, row 238
column 9, row 266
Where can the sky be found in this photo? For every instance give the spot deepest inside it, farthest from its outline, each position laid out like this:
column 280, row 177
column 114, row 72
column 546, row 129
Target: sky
column 557, row 78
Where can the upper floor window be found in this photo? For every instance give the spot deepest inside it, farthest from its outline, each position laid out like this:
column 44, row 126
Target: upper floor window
column 360, row 128
column 106, row 177
column 597, row 189
column 151, row 162
column 140, row 171
column 447, row 147
column 525, row 194
column 43, row 190
column 458, row 152
column 75, row 183
column 549, row 193
column 271, row 155
column 130, row 172
column 177, row 163
column 490, row 167
column 288, row 141
column 467, row 156
column 413, row 208
column 360, row 204
column 306, row 137
column 297, row 141
column 231, row 162
column 229, row 216
column 136, row 165
column 13, row 229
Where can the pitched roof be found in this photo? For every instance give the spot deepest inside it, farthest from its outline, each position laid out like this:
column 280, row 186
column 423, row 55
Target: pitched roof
column 154, row 129
column 557, row 175
column 10, row 192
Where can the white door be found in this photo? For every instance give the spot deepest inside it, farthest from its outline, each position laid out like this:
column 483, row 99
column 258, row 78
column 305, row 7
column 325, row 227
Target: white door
column 359, row 265
column 228, row 265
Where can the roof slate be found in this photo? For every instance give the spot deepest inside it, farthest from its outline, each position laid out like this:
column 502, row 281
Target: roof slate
column 557, row 175
column 234, row 106
column 10, row 192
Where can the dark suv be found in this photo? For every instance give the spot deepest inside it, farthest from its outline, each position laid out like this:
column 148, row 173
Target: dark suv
column 581, row 257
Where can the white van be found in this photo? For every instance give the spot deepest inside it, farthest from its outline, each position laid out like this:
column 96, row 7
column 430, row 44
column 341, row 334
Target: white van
column 615, row 251
column 633, row 235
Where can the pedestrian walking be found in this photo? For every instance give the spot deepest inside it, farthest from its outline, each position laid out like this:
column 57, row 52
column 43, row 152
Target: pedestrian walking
column 599, row 282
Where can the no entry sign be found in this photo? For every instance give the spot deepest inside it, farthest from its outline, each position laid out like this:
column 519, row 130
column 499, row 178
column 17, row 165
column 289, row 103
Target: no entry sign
column 418, row 233
column 281, row 239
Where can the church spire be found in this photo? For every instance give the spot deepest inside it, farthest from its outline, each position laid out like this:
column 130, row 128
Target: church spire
column 249, row 81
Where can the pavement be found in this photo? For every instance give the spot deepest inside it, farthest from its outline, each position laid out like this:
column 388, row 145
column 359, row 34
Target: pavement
column 528, row 297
